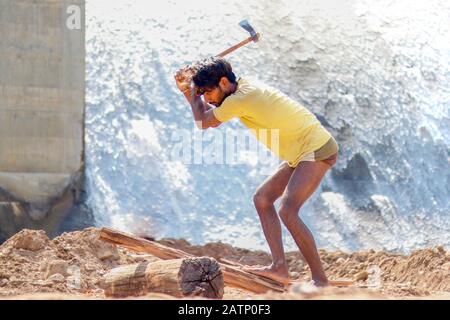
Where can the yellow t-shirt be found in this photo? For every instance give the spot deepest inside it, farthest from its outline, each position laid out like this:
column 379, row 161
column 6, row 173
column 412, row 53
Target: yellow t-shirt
column 283, row 125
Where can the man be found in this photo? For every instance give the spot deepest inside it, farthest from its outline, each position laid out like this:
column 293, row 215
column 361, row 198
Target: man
column 307, row 147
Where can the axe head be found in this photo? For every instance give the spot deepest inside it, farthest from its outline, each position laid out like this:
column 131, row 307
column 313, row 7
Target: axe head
column 246, row 25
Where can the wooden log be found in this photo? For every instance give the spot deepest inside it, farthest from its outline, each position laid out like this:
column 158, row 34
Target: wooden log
column 233, row 275
column 185, row 277
column 141, row 245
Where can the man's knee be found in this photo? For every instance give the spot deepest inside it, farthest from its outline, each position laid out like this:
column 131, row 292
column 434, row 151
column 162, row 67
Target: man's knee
column 262, row 200
column 289, row 209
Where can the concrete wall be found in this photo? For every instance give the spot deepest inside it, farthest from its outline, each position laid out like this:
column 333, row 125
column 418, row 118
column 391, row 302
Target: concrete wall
column 42, row 83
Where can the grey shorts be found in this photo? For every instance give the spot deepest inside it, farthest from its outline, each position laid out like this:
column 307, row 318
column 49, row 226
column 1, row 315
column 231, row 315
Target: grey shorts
column 328, row 153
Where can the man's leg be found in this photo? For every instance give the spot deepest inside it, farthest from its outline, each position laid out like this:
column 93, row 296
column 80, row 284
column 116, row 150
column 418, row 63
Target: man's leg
column 303, row 182
column 264, row 199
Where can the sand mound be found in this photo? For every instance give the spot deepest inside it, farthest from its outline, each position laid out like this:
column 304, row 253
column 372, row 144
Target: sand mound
column 74, row 263
column 422, row 273
column 71, row 263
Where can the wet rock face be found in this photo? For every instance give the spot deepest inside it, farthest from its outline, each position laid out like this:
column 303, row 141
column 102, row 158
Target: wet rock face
column 361, row 67
column 355, row 181
column 373, row 73
column 356, row 170
column 382, row 100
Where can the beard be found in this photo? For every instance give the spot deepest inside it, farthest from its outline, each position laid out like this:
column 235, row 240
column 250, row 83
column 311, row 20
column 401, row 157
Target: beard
column 218, row 104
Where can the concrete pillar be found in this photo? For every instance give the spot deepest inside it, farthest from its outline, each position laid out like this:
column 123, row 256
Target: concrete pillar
column 42, row 84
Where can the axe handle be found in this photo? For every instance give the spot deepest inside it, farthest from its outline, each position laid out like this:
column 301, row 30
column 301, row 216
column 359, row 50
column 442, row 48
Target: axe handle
column 237, row 46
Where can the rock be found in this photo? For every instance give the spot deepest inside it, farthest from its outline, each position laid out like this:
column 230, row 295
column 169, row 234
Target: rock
column 56, row 278
column 101, row 272
column 440, row 249
column 98, row 291
column 294, row 275
column 3, row 282
column 4, row 274
column 340, row 260
column 39, row 283
column 100, row 248
column 90, row 267
column 31, row 240
column 56, row 267
column 15, row 281
column 43, row 267
column 141, row 257
column 105, row 250
column 361, row 276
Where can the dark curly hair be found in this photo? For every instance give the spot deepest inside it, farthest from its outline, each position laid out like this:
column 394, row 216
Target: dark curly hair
column 208, row 73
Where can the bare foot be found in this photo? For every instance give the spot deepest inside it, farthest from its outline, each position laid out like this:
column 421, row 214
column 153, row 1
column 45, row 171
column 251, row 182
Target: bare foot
column 321, row 282
column 278, row 274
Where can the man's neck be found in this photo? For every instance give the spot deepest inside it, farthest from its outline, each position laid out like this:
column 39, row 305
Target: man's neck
column 234, row 87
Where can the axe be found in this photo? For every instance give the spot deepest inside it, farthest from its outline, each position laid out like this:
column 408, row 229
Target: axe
column 253, row 37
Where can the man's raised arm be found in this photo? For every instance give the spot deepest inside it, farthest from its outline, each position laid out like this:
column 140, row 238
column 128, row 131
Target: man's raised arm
column 203, row 113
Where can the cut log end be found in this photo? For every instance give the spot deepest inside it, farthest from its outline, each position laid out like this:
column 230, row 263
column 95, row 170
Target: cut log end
column 188, row 277
column 201, row 277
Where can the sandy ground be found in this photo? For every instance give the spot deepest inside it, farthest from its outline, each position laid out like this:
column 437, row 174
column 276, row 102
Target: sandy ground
column 72, row 265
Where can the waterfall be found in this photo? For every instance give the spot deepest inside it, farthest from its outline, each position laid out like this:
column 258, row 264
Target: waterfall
column 376, row 74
